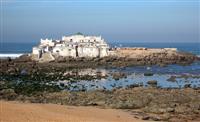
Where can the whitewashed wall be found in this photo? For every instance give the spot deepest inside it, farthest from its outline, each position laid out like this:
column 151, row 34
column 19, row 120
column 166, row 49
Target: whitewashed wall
column 36, row 51
column 47, row 42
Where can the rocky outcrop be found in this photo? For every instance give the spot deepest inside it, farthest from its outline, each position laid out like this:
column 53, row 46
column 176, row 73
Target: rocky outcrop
column 150, row 56
column 131, row 58
column 45, row 57
column 124, row 57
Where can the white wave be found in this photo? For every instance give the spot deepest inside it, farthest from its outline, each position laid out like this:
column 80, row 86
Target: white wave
column 10, row 55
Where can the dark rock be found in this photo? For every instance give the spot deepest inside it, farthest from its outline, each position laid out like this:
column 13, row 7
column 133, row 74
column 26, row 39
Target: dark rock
column 148, row 74
column 152, row 82
column 187, row 86
column 172, row 79
column 9, row 59
column 134, row 85
column 118, row 75
column 155, row 118
column 146, row 117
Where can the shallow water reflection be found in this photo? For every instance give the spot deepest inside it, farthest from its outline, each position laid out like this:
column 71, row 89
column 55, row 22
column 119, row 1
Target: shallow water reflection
column 172, row 76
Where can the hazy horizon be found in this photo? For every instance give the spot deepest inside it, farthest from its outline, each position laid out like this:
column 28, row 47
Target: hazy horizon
column 115, row 20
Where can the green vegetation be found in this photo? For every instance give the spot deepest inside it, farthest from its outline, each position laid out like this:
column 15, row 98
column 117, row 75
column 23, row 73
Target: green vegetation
column 32, row 88
column 79, row 33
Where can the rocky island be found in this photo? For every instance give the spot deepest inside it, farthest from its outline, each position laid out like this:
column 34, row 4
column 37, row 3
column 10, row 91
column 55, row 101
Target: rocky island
column 83, row 47
column 85, row 70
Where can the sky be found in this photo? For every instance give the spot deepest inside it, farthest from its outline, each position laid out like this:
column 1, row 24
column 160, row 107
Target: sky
column 115, row 20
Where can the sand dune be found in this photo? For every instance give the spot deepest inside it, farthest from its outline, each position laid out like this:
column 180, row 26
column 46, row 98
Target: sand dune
column 28, row 112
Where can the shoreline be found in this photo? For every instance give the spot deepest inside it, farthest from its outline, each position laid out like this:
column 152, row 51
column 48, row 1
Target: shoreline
column 11, row 55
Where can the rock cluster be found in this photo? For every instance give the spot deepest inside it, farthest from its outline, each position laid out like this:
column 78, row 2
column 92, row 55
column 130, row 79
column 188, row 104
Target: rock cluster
column 155, row 56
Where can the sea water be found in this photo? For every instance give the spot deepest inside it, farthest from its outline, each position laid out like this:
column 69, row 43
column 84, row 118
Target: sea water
column 185, row 76
column 26, row 47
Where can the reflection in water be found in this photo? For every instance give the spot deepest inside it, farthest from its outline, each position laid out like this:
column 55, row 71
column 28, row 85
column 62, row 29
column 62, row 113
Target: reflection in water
column 172, row 76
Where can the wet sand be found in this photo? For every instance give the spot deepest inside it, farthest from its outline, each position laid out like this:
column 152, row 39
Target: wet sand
column 29, row 112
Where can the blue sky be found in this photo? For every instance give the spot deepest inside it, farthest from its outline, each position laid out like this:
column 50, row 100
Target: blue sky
column 115, row 20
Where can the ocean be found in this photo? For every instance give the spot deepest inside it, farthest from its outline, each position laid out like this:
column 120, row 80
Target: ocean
column 20, row 48
column 13, row 50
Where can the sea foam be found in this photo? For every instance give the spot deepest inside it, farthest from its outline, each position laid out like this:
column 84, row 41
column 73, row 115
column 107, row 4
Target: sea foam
column 10, row 55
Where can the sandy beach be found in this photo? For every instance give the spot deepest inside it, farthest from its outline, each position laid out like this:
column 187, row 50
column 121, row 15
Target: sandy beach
column 29, row 112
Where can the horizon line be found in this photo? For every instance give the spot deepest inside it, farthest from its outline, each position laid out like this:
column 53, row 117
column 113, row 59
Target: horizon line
column 99, row 1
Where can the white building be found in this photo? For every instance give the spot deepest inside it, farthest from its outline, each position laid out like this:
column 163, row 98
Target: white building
column 37, row 51
column 47, row 42
column 74, row 46
column 83, row 39
column 64, row 50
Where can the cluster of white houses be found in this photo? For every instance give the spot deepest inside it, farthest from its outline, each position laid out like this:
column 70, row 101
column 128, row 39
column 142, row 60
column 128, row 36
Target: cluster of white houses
column 74, row 46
